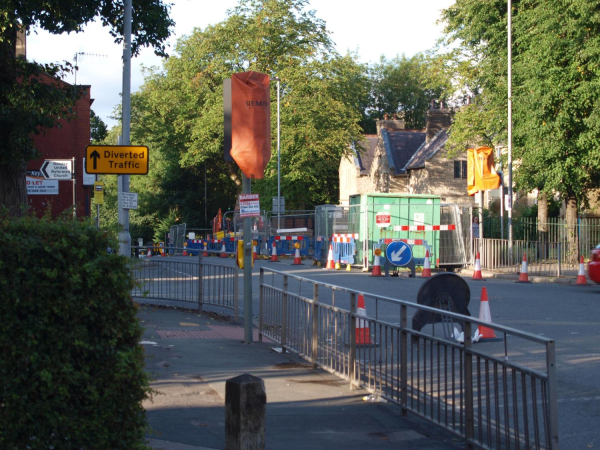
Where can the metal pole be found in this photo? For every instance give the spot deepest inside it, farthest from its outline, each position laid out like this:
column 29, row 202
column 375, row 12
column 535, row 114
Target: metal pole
column 97, row 207
column 510, row 178
column 74, row 191
column 278, row 160
column 123, row 180
column 247, row 189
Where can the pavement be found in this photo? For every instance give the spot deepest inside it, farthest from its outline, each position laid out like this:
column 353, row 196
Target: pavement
column 568, row 276
column 189, row 357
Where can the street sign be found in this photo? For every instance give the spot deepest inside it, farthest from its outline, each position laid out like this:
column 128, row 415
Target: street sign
column 116, row 159
column 57, row 169
column 383, row 219
column 249, row 205
column 398, row 253
column 99, row 193
column 129, row 200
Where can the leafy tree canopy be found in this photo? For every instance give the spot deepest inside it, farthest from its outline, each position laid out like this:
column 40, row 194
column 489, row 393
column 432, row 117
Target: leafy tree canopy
column 31, row 96
column 179, row 111
column 556, row 93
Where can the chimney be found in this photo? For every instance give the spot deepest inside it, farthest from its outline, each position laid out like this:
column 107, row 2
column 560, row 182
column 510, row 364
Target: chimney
column 393, row 124
column 437, row 120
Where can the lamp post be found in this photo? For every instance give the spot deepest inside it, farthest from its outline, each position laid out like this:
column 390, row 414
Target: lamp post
column 510, row 181
column 278, row 159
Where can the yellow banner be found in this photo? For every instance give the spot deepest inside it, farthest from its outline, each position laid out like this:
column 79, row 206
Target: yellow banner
column 481, row 175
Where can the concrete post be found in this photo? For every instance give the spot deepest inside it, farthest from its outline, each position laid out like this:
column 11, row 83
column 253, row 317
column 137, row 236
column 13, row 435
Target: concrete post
column 245, row 413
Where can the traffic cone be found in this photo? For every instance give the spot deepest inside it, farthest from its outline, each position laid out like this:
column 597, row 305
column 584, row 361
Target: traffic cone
column 581, row 280
column 254, row 244
column 426, row 266
column 274, row 253
column 149, row 253
column 205, row 249
column 485, row 315
column 523, row 278
column 376, row 264
column 184, row 251
column 223, row 251
column 297, row 258
column 330, row 263
column 477, row 271
column 162, row 251
column 363, row 336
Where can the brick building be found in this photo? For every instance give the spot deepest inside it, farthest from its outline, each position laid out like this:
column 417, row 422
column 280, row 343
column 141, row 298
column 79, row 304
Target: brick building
column 66, row 141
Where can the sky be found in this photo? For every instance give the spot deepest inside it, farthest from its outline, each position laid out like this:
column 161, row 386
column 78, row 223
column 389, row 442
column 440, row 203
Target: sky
column 383, row 27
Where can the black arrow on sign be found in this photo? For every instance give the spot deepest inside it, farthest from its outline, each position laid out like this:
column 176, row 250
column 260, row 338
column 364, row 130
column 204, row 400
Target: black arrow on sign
column 43, row 169
column 94, row 156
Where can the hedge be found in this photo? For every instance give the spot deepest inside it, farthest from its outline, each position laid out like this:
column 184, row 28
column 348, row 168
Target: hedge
column 71, row 366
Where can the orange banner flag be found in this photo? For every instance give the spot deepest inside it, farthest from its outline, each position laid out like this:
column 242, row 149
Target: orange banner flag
column 481, row 175
column 251, row 122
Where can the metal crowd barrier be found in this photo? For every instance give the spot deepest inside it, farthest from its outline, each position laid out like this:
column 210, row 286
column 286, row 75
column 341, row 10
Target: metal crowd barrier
column 492, row 395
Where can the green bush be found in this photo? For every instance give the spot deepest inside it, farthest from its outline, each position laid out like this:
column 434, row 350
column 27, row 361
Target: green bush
column 71, row 367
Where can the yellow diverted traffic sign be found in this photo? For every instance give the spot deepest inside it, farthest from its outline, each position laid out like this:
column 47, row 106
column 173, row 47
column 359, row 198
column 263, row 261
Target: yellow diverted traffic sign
column 116, row 159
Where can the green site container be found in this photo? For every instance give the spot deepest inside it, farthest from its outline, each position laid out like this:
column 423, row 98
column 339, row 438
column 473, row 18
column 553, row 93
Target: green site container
column 404, row 210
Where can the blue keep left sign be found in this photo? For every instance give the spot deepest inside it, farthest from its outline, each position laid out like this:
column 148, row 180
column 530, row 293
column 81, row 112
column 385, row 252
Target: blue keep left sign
column 398, row 253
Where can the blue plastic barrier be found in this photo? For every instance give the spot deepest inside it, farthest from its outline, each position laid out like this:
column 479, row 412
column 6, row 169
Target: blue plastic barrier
column 194, row 246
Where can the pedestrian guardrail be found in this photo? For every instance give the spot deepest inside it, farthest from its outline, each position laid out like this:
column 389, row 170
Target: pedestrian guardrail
column 493, row 395
column 193, row 282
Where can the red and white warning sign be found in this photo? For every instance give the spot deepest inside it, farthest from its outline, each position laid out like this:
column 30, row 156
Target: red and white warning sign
column 249, row 205
column 383, row 219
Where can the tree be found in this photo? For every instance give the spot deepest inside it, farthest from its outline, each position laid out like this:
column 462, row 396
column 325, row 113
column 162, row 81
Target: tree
column 179, row 111
column 407, row 86
column 28, row 106
column 99, row 130
column 556, row 93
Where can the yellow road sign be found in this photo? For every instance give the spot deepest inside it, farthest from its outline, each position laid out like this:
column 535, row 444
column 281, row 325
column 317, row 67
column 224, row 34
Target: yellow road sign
column 116, row 159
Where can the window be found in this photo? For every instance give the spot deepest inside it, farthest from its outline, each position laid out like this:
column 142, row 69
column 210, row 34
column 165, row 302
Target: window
column 460, row 169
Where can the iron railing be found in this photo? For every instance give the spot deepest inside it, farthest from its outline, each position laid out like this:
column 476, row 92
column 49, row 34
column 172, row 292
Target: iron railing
column 543, row 258
column 196, row 281
column 493, row 395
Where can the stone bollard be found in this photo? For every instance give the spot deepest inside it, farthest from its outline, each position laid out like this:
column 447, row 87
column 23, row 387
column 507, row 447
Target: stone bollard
column 245, row 413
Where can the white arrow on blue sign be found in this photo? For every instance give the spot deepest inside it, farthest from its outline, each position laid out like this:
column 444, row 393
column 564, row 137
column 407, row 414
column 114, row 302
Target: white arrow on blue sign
column 398, row 253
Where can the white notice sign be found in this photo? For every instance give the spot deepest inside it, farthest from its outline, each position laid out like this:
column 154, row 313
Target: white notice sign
column 249, row 205
column 38, row 185
column 129, row 200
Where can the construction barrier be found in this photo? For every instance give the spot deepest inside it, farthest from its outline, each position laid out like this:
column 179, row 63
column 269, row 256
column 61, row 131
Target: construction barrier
column 285, row 244
column 344, row 249
column 194, row 246
column 320, row 245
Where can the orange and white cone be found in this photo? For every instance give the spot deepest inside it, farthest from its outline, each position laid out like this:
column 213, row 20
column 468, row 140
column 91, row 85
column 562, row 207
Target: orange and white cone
column 223, row 251
column 523, row 277
column 363, row 336
column 205, row 253
column 297, row 258
column 254, row 244
column 149, row 253
column 376, row 264
column 426, row 266
column 485, row 315
column 274, row 253
column 185, row 251
column 477, row 271
column 330, row 263
column 581, row 280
